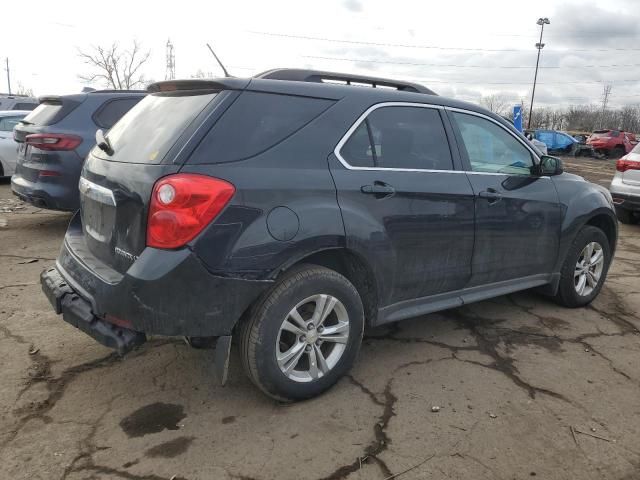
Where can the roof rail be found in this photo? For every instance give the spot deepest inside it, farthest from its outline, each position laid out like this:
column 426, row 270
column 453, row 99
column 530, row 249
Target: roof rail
column 111, row 90
column 318, row 76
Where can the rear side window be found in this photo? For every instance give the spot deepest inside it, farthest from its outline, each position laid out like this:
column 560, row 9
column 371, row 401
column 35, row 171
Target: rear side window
column 255, row 123
column 399, row 137
column 112, row 110
column 147, row 131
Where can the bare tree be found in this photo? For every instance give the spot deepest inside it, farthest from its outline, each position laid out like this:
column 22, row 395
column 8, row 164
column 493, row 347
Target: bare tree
column 115, row 67
column 22, row 90
column 497, row 103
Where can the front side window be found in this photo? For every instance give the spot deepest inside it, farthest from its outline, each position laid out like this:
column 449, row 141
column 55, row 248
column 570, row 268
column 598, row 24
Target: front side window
column 400, row 137
column 490, row 148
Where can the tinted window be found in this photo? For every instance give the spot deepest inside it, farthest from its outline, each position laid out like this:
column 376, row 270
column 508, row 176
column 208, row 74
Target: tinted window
column 111, row 111
column 24, row 106
column 492, row 149
column 403, row 137
column 7, row 123
column 147, row 131
column 357, row 151
column 255, row 123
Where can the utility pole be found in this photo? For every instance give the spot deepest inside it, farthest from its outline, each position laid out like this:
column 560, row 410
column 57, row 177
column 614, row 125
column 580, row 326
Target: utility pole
column 8, row 77
column 170, row 73
column 606, row 91
column 542, row 22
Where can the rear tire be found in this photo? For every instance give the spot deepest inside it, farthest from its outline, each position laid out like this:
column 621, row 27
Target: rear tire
column 582, row 275
column 625, row 216
column 288, row 350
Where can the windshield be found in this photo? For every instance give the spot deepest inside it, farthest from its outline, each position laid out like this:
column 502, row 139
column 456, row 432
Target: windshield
column 147, row 132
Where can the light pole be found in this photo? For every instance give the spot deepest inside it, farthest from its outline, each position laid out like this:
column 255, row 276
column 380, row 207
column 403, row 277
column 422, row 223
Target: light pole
column 542, row 22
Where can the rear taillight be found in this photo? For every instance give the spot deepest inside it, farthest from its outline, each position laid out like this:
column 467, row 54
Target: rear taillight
column 53, row 141
column 623, row 164
column 182, row 205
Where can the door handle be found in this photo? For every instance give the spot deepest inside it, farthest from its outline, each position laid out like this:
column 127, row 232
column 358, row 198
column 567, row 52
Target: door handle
column 491, row 195
column 379, row 189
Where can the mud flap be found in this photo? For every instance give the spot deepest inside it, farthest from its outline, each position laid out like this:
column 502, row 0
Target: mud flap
column 221, row 358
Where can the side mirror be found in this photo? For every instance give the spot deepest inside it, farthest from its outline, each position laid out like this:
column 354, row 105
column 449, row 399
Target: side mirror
column 550, row 165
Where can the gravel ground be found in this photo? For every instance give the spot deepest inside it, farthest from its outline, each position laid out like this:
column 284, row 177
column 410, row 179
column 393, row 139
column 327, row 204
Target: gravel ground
column 524, row 389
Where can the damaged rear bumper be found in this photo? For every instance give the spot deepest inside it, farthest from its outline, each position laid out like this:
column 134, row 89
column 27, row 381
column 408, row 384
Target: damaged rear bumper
column 77, row 312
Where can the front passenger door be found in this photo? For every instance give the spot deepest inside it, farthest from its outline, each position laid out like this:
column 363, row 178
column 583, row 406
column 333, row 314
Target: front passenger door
column 517, row 212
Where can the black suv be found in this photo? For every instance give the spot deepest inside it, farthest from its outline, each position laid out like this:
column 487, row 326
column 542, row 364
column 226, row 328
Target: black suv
column 291, row 212
column 54, row 140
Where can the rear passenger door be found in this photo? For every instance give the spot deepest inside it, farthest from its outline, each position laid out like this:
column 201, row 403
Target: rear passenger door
column 518, row 215
column 404, row 205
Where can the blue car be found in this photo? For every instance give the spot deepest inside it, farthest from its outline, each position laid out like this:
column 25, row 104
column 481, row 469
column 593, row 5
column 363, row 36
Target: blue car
column 557, row 142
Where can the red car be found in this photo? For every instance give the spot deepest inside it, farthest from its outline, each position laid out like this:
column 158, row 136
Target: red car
column 614, row 143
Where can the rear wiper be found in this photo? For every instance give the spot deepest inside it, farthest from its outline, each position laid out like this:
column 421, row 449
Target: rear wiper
column 103, row 143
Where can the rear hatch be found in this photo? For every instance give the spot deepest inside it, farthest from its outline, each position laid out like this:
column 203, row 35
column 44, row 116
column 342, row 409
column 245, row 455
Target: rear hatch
column 44, row 144
column 151, row 141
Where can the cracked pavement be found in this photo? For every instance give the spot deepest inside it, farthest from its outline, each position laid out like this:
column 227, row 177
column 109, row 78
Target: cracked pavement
column 525, row 389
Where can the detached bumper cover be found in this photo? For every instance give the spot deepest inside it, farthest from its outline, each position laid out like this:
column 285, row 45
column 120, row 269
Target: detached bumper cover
column 77, row 312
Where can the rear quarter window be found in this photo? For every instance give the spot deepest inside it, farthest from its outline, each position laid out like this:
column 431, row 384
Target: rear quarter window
column 255, row 123
column 112, row 110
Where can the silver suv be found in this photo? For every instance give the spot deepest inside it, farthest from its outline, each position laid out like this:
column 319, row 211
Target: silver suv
column 625, row 186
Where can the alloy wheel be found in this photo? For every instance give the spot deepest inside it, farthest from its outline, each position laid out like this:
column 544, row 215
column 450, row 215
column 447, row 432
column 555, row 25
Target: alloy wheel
column 312, row 338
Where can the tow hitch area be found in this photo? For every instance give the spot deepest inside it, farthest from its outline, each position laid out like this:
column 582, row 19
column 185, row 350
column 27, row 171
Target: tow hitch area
column 77, row 311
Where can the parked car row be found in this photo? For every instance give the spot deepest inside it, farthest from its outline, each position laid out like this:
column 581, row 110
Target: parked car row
column 290, row 212
column 54, row 140
column 17, row 102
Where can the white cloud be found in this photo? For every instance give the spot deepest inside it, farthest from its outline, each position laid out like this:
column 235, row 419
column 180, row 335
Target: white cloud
column 44, row 55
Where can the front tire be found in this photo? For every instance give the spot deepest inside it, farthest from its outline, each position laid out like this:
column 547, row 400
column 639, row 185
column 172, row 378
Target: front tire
column 304, row 335
column 585, row 268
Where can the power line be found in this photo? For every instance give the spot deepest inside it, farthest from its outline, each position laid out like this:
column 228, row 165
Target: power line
column 449, row 65
column 432, row 47
column 595, row 82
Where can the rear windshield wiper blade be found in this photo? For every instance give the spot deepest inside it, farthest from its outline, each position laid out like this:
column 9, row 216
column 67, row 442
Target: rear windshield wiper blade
column 103, row 143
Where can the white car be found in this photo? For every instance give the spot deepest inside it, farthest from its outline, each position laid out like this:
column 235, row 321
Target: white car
column 8, row 146
column 625, row 186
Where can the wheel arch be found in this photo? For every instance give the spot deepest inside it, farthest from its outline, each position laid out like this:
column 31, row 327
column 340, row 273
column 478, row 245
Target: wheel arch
column 608, row 225
column 349, row 264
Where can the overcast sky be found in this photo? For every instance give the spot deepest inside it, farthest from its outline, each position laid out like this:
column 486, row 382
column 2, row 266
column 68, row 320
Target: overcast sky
column 464, row 49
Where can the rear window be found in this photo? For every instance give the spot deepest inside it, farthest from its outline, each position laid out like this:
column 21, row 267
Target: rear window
column 7, row 123
column 636, row 149
column 255, row 123
column 147, row 131
column 44, row 114
column 24, row 106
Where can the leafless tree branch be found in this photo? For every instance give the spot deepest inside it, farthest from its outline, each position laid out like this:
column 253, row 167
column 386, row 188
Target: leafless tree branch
column 113, row 67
